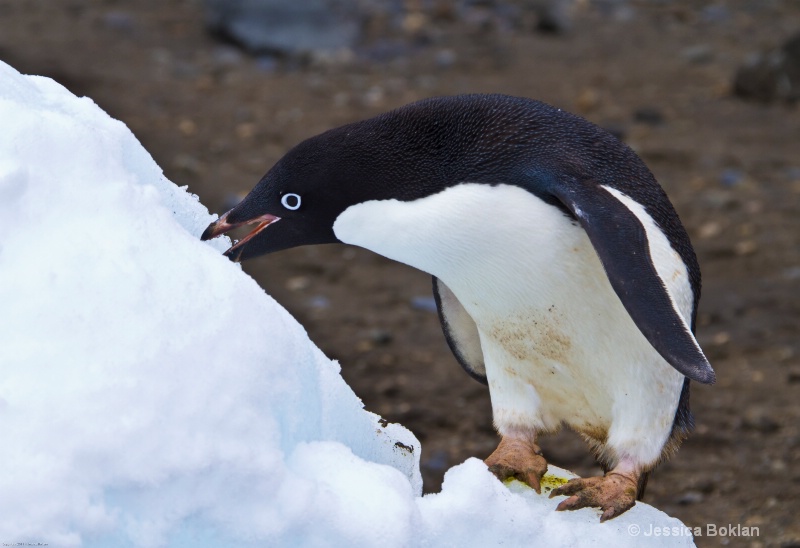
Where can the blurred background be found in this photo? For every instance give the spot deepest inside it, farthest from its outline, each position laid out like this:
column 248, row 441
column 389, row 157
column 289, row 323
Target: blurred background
column 706, row 92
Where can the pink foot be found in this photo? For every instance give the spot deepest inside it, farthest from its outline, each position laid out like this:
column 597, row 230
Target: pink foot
column 615, row 493
column 520, row 459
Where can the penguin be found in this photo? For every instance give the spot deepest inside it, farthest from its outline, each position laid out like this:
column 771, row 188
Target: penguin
column 562, row 275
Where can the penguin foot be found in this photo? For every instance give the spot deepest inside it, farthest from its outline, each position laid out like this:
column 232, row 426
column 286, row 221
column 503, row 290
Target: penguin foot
column 519, row 459
column 615, row 493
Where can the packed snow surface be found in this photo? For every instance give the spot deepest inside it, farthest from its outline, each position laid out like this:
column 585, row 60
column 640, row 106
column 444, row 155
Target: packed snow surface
column 151, row 394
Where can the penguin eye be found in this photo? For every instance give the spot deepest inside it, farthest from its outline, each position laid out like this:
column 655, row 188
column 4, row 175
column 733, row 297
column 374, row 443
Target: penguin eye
column 291, row 201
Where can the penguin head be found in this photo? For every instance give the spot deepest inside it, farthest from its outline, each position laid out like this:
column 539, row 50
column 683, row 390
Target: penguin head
column 298, row 199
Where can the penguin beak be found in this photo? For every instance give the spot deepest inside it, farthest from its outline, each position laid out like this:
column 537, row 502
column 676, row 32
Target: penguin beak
column 221, row 226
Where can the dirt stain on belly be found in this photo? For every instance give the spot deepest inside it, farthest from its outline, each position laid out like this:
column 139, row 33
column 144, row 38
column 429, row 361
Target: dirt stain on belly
column 533, row 336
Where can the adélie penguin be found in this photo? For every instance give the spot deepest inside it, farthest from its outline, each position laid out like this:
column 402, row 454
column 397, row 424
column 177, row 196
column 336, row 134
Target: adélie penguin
column 562, row 274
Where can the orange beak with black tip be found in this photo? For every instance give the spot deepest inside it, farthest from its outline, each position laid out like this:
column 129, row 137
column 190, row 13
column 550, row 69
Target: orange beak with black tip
column 222, row 226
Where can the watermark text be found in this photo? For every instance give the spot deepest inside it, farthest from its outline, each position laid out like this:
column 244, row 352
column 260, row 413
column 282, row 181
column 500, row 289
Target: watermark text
column 707, row 530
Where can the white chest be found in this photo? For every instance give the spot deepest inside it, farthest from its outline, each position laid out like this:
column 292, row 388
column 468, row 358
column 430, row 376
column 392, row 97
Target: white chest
column 557, row 342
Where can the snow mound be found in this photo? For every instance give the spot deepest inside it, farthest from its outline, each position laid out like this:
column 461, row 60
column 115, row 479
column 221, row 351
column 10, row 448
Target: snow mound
column 151, row 394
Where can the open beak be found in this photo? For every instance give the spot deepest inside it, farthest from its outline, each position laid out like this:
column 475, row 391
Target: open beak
column 221, row 226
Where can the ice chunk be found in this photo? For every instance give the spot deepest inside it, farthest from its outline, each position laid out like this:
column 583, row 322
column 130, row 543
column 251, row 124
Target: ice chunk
column 151, row 394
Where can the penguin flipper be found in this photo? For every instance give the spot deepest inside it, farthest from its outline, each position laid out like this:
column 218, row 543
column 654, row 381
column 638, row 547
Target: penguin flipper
column 621, row 241
column 460, row 331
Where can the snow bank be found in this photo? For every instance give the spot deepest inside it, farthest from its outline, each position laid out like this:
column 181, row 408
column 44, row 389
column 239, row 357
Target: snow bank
column 151, row 394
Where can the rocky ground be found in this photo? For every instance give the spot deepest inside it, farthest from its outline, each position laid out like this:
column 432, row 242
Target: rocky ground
column 657, row 73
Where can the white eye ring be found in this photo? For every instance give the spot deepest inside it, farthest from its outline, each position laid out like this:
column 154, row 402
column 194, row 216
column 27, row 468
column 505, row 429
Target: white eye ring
column 288, row 205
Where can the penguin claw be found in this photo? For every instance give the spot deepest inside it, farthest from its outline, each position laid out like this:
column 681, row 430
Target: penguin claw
column 614, row 494
column 518, row 459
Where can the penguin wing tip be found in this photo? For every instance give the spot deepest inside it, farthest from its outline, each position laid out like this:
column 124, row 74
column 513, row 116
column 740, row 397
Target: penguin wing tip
column 705, row 374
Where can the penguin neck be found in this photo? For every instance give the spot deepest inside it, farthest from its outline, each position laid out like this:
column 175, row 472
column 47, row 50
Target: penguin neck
column 481, row 240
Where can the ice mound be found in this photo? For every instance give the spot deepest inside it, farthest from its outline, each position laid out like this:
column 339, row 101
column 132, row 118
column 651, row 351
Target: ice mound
column 151, row 394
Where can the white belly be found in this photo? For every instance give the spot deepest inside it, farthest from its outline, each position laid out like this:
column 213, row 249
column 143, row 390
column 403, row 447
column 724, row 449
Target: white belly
column 558, row 345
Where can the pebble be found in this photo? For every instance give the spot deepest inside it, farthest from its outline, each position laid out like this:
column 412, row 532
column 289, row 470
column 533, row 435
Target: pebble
column 709, row 230
column 364, row 346
column 716, row 13
column 617, row 130
column 446, row 58
column 187, row 127
column 387, row 387
column 698, row 54
column 793, row 173
column 731, row 177
column 297, row 283
column 349, row 253
column 754, row 207
column 437, row 461
column 374, row 96
column 745, row 247
column 718, row 199
column 771, row 75
column 286, row 27
column 245, row 130
column 652, row 116
column 427, row 304
column 267, row 64
column 792, row 273
column 690, row 497
column 756, row 418
column 704, row 485
column 554, row 16
column 187, row 163
column 618, row 10
column 587, row 101
column 185, row 70
column 721, row 338
column 782, row 353
column 119, row 21
column 414, row 22
column 778, row 466
column 319, row 301
column 383, row 50
column 226, row 55
column 341, row 99
column 380, row 337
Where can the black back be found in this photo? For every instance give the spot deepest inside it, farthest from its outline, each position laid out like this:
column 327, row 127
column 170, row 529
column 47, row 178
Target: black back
column 422, row 148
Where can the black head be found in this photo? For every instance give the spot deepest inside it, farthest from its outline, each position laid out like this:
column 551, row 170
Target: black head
column 292, row 200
